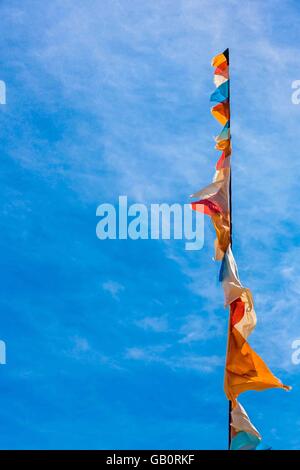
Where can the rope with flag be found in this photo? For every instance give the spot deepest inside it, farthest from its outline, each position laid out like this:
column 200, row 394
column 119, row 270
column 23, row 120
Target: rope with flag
column 244, row 369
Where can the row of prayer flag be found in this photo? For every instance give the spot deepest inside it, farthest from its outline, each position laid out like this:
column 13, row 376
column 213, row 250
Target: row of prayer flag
column 244, row 369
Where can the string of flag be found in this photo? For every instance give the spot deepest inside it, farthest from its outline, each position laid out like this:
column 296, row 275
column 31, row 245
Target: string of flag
column 244, row 368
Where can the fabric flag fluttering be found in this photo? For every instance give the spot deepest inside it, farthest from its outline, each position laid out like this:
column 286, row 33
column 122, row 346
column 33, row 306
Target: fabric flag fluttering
column 244, row 369
column 244, row 435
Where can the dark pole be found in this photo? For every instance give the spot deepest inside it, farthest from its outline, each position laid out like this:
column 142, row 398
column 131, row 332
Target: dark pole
column 229, row 402
column 230, row 216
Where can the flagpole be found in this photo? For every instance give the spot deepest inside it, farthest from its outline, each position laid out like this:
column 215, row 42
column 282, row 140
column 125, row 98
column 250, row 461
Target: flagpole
column 229, row 402
column 230, row 216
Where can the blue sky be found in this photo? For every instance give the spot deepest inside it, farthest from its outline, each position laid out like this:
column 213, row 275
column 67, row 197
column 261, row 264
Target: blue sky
column 120, row 344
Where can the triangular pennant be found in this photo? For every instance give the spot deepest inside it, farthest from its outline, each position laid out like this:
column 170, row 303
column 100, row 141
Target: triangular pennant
column 221, row 112
column 220, row 58
column 221, row 93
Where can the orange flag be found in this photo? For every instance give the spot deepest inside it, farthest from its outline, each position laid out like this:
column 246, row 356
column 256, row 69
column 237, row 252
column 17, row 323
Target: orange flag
column 245, row 370
column 221, row 112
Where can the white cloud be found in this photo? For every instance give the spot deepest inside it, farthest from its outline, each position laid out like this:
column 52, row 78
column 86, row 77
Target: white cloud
column 140, row 74
column 147, row 354
column 200, row 327
column 81, row 345
column 113, row 287
column 156, row 354
column 157, row 324
column 123, row 71
column 204, row 364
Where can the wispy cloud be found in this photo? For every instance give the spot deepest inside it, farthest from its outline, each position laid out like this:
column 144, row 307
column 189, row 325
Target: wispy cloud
column 108, row 98
column 114, row 288
column 81, row 345
column 197, row 328
column 154, row 354
column 157, row 324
